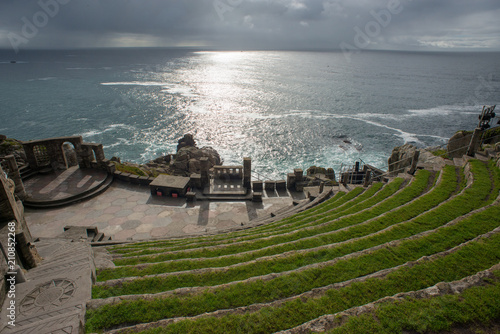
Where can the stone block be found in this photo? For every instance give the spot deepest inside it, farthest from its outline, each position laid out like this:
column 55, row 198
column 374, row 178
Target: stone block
column 290, row 180
column 257, row 197
column 190, row 196
column 280, row 185
column 299, row 174
column 144, row 180
column 195, row 181
column 134, row 178
column 270, row 185
column 299, row 187
column 257, row 186
column 125, row 177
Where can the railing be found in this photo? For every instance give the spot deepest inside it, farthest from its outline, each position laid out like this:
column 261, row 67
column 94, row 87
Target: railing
column 232, row 172
column 260, row 177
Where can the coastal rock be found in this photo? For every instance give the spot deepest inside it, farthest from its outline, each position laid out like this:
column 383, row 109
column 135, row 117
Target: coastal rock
column 401, row 158
column 184, row 163
column 427, row 158
column 9, row 146
column 458, row 144
column 164, row 160
column 186, row 141
column 315, row 170
column 187, row 160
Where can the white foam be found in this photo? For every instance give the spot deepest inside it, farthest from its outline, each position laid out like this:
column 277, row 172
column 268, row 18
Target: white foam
column 446, row 110
column 406, row 136
column 112, row 127
column 43, row 79
column 136, row 83
column 393, row 117
column 121, row 141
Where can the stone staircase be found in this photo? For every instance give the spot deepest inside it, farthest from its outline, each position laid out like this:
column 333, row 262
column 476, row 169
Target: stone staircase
column 53, row 297
column 84, row 233
column 26, row 172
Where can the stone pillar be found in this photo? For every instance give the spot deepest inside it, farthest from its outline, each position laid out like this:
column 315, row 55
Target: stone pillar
column 368, row 176
column 99, row 152
column 299, row 175
column 290, row 181
column 86, row 156
column 247, row 173
column 330, row 174
column 15, row 175
column 204, row 164
column 30, row 156
column 474, row 142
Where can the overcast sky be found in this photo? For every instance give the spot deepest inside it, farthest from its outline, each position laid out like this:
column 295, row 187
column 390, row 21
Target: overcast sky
column 252, row 24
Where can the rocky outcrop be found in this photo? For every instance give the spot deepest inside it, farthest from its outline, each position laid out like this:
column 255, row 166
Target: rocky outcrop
column 401, row 158
column 186, row 161
column 458, row 144
column 328, row 173
column 13, row 147
column 186, row 141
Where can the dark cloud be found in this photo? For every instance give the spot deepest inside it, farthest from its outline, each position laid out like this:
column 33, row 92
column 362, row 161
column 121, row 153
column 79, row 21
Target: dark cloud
column 261, row 24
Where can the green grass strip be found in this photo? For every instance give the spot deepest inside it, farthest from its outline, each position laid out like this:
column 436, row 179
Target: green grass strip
column 298, row 282
column 476, row 305
column 473, row 257
column 351, row 206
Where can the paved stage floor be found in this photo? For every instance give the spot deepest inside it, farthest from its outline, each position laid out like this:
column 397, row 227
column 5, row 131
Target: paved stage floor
column 128, row 211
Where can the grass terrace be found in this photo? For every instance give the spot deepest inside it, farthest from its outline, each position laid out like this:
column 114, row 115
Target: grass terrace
column 354, row 249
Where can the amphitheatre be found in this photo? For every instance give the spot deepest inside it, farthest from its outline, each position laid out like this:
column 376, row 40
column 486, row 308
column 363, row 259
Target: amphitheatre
column 186, row 245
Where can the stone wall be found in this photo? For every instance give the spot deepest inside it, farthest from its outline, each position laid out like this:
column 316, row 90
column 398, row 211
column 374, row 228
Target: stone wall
column 12, row 216
column 52, row 153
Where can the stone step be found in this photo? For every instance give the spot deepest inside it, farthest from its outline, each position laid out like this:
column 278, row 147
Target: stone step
column 98, row 237
column 459, row 162
column 64, row 323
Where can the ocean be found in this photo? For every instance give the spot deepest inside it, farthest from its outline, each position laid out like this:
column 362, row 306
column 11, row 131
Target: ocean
column 284, row 109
